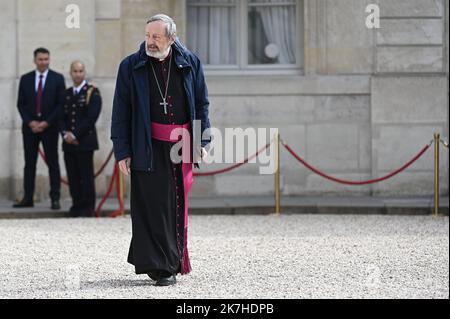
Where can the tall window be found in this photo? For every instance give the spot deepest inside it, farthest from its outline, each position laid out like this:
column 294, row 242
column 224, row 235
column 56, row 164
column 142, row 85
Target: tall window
column 244, row 34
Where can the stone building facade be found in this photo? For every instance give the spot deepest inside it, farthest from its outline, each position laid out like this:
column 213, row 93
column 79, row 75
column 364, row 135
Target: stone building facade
column 358, row 103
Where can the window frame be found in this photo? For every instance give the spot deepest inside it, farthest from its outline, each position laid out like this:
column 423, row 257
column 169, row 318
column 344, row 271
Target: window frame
column 242, row 66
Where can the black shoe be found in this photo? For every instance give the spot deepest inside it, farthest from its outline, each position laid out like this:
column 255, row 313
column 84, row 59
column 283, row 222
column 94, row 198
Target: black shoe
column 154, row 276
column 56, row 205
column 157, row 274
column 166, row 281
column 24, row 203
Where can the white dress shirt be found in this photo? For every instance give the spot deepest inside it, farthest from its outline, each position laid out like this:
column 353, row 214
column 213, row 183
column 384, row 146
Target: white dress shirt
column 77, row 89
column 45, row 73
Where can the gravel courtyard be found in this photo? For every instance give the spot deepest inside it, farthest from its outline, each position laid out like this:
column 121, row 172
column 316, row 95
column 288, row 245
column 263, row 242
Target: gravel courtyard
column 257, row 256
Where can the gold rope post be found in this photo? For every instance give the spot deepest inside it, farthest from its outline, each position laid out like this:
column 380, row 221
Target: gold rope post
column 437, row 138
column 277, row 174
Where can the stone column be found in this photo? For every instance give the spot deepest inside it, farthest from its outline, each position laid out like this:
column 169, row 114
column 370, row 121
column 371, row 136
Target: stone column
column 8, row 67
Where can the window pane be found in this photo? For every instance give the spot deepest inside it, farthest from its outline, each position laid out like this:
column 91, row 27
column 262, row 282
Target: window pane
column 211, row 31
column 272, row 32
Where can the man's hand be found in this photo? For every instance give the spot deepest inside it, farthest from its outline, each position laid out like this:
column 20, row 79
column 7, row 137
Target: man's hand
column 34, row 126
column 124, row 166
column 69, row 138
column 43, row 125
column 38, row 127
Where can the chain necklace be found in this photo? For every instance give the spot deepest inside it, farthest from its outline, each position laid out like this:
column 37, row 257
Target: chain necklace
column 163, row 103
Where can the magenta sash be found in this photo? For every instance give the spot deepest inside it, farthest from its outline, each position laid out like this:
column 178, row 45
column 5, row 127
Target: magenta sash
column 176, row 133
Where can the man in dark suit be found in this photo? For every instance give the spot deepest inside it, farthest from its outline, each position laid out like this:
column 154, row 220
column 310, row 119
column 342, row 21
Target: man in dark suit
column 82, row 105
column 39, row 103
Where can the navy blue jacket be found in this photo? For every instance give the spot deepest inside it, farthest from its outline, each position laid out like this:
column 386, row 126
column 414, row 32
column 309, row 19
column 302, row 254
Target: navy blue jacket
column 51, row 98
column 130, row 123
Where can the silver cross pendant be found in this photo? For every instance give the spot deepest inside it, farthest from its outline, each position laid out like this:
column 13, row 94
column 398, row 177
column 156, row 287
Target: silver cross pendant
column 164, row 104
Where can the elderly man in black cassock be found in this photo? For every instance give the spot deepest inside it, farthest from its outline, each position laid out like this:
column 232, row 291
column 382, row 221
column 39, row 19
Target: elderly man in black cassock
column 160, row 89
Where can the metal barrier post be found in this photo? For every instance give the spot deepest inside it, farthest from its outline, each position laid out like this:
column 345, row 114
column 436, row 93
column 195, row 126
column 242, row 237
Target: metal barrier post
column 277, row 174
column 437, row 138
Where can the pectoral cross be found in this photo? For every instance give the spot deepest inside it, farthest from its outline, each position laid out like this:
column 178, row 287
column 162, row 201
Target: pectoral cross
column 164, row 104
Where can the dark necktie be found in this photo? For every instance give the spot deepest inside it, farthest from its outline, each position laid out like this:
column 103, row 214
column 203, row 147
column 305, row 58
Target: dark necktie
column 39, row 96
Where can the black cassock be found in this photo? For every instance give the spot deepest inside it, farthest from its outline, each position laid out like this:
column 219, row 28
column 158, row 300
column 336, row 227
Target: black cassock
column 157, row 198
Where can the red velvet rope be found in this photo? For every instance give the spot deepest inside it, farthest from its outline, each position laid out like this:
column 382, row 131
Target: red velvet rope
column 115, row 179
column 372, row 181
column 100, row 170
column 114, row 176
column 224, row 170
column 119, row 195
column 65, row 182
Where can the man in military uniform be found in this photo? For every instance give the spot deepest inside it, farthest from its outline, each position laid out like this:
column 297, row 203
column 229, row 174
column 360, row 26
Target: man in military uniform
column 82, row 105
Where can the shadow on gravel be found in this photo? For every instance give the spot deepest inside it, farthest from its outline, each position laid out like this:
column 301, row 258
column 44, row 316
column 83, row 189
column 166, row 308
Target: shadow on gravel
column 115, row 283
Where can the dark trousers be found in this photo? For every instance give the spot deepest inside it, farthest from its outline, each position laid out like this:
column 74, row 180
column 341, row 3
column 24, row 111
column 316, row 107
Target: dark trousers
column 80, row 172
column 49, row 139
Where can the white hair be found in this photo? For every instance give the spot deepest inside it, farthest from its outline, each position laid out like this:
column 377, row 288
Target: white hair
column 171, row 27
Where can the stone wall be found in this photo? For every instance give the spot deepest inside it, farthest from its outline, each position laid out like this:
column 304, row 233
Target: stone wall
column 365, row 101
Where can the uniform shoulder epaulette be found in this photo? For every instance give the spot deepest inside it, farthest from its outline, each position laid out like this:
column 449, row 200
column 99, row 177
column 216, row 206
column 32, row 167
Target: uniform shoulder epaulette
column 91, row 88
